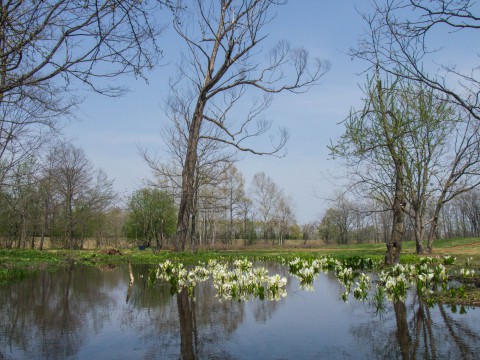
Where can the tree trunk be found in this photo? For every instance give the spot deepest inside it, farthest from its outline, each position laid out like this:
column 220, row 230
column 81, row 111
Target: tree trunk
column 432, row 234
column 403, row 336
column 187, row 326
column 419, row 232
column 394, row 244
column 42, row 240
column 23, row 231
column 434, row 223
column 188, row 178
column 193, row 231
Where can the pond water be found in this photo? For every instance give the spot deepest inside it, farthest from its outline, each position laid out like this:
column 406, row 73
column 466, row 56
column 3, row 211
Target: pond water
column 92, row 313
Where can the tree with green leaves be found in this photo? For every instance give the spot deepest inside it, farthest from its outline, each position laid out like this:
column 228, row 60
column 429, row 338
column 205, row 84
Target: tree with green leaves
column 410, row 148
column 430, row 123
column 152, row 216
column 19, row 201
column 373, row 146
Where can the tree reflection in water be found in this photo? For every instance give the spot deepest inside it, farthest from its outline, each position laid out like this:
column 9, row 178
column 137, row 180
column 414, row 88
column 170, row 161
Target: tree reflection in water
column 42, row 317
column 419, row 334
column 186, row 318
column 402, row 328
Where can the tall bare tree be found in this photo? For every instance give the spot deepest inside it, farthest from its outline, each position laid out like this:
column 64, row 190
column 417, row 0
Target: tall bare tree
column 232, row 187
column 214, row 159
column 246, row 214
column 284, row 217
column 224, row 41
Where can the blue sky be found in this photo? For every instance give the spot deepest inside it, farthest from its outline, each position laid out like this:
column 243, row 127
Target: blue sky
column 111, row 129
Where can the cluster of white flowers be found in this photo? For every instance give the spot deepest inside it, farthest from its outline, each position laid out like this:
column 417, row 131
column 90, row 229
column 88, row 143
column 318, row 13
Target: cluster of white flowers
column 323, row 263
column 395, row 285
column 399, row 278
column 363, row 284
column 468, row 261
column 345, row 276
column 467, row 272
column 242, row 282
column 308, row 270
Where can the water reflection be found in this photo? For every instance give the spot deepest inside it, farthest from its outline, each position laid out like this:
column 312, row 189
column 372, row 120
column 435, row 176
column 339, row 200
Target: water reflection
column 85, row 313
column 422, row 332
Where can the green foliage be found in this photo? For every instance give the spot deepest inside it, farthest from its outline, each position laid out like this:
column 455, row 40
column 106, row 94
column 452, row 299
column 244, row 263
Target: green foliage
column 152, row 216
column 449, row 260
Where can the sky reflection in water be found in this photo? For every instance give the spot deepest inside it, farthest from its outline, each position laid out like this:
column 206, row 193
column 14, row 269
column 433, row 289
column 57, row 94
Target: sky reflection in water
column 90, row 313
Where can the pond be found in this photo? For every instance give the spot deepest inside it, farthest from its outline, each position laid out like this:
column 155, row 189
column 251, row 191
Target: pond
column 93, row 313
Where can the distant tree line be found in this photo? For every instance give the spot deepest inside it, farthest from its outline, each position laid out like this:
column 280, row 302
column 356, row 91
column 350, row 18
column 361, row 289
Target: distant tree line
column 61, row 198
column 355, row 222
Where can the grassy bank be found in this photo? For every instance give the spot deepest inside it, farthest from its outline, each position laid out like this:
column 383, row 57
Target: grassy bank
column 26, row 260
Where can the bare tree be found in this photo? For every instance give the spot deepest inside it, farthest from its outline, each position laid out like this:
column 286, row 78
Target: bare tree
column 461, row 217
column 223, row 40
column 24, row 129
column 83, row 191
column 403, row 40
column 266, row 197
column 213, row 160
column 246, row 213
column 284, row 216
column 309, row 231
column 460, row 174
column 48, row 48
column 232, row 187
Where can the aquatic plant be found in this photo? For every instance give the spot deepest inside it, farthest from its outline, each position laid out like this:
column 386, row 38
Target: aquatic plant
column 363, row 286
column 449, row 260
column 468, row 261
column 392, row 284
column 240, row 282
column 307, row 270
column 239, row 279
column 466, row 272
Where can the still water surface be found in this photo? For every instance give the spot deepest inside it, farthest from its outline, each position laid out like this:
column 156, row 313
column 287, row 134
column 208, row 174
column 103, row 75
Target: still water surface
column 91, row 313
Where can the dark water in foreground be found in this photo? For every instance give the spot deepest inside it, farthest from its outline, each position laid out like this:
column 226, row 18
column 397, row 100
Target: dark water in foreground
column 89, row 313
